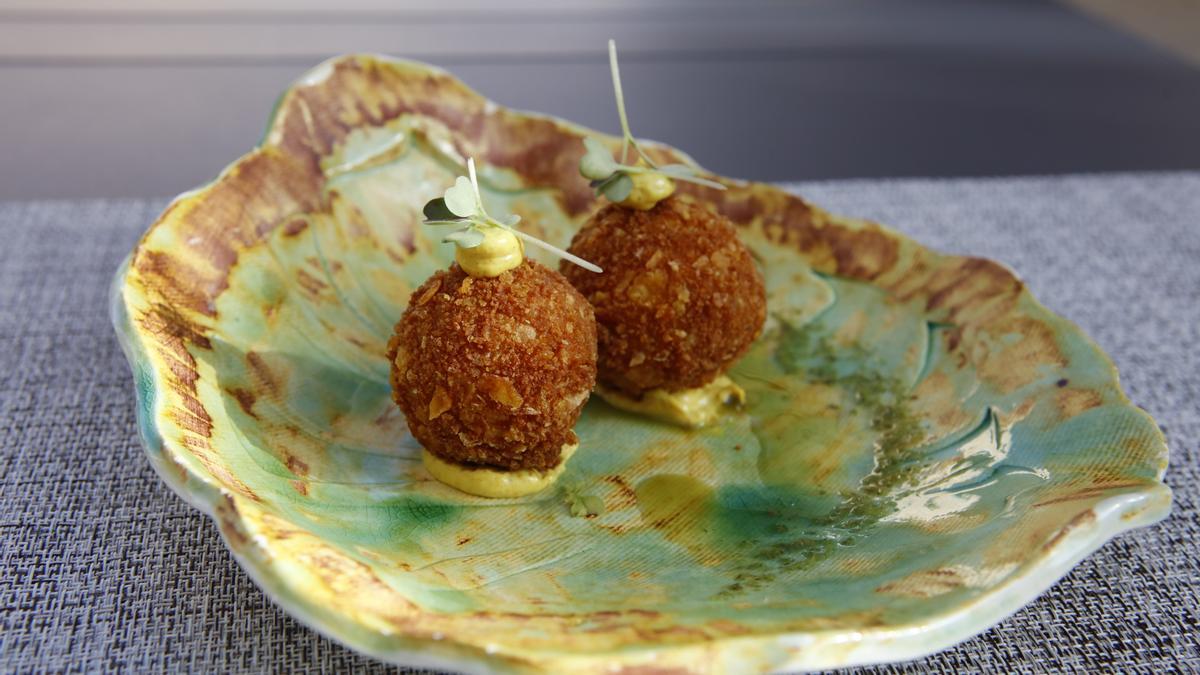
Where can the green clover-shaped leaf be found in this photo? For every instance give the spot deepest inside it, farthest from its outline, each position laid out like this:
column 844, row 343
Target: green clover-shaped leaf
column 437, row 213
column 597, row 162
column 616, row 188
column 466, row 238
column 460, row 198
column 462, row 206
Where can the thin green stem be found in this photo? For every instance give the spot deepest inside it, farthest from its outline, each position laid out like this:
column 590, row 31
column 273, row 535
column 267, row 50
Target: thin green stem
column 616, row 78
column 475, row 186
column 481, row 219
column 556, row 251
column 644, row 156
column 630, row 141
column 699, row 181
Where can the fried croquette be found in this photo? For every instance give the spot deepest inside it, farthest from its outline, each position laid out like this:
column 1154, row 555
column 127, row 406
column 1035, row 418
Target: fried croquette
column 493, row 372
column 680, row 298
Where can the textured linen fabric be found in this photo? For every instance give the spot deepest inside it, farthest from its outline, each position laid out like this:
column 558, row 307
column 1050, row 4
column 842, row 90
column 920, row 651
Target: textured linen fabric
column 103, row 568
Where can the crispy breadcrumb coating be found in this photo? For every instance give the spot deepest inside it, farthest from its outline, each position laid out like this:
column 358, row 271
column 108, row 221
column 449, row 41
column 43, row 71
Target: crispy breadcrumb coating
column 493, row 372
column 680, row 297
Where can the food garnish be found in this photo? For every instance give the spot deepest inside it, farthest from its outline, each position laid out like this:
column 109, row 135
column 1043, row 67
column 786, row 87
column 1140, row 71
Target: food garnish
column 462, row 206
column 642, row 184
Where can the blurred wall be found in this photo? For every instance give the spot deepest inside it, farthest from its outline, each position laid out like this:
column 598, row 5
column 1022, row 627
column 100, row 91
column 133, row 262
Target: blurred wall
column 145, row 97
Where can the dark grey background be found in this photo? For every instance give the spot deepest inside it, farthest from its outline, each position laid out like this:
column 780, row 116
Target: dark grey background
column 108, row 98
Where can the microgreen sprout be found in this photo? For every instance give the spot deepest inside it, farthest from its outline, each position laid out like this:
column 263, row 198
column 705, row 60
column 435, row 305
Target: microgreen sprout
column 581, row 505
column 614, row 179
column 462, row 206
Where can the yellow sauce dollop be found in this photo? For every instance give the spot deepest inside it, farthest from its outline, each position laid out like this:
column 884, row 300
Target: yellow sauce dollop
column 494, row 483
column 500, row 252
column 648, row 190
column 692, row 408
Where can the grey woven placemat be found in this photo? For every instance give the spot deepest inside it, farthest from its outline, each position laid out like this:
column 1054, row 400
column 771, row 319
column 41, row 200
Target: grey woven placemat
column 103, row 568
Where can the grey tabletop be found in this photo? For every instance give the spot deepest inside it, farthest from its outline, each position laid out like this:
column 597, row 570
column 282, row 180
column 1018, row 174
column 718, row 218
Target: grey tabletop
column 103, row 568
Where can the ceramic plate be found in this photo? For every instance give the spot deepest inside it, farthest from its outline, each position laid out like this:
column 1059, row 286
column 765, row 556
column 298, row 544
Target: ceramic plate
column 926, row 448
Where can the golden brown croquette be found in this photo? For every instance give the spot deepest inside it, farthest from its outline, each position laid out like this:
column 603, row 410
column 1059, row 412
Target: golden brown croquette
column 493, row 372
column 680, row 297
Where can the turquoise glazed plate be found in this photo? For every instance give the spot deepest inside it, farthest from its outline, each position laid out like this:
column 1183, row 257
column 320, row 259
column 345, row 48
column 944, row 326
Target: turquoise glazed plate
column 925, row 448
